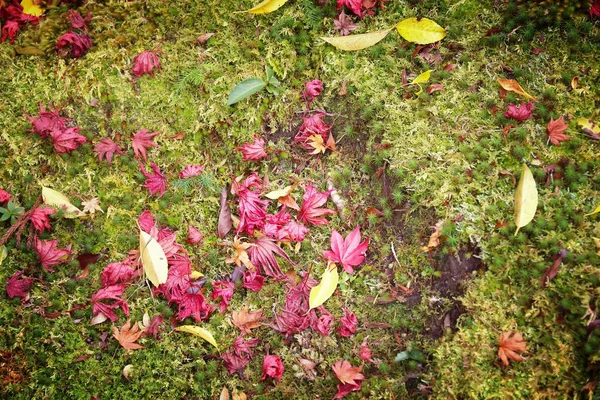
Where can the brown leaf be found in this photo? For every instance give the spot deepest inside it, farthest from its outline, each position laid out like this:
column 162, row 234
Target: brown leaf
column 435, row 87
column 536, row 50
column 240, row 255
column 344, row 90
column 511, row 343
column 128, row 335
column 513, row 86
column 246, row 320
column 450, row 67
column 202, row 39
column 85, row 260
column 556, row 131
column 552, row 271
column 225, row 222
column 508, row 173
column 346, row 373
column 434, row 239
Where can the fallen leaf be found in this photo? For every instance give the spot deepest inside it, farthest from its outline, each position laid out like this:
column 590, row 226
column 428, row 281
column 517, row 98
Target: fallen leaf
column 556, row 131
column 53, row 198
column 590, row 128
column 154, row 259
column 127, row 371
column 421, row 78
column 245, row 89
column 434, row 239
column 349, row 252
column 450, row 67
column 246, row 320
column 265, row 7
column 84, row 261
column 511, row 343
column 283, row 196
column 128, row 335
column 224, row 394
column 526, row 199
column 513, row 86
column 325, row 289
column 31, row 8
column 552, row 271
column 202, row 39
column 435, row 87
column 200, row 332
column 346, row 373
column 225, row 222
column 317, row 143
column 240, row 255
column 91, row 206
column 357, row 42
column 574, row 82
column 420, row 30
column 596, row 211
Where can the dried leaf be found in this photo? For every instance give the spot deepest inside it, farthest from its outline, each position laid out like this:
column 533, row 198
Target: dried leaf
column 435, row 87
column 128, row 335
column 526, row 199
column 127, row 371
column 224, row 394
column 325, row 289
column 154, row 259
column 556, row 131
column 434, row 239
column 225, row 222
column 589, row 127
column 265, row 7
column 513, row 86
column 246, row 320
column 357, row 42
column 198, row 331
column 53, row 198
column 420, row 30
column 511, row 343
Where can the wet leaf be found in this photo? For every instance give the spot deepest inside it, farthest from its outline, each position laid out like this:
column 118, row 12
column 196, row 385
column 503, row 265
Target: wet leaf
column 526, row 199
column 357, row 42
column 513, row 86
column 154, row 259
column 200, row 332
column 420, row 31
column 324, row 290
column 245, row 89
column 265, row 7
column 53, row 198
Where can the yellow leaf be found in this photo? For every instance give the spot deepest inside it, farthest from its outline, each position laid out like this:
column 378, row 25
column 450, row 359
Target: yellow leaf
column 421, row 78
column 596, row 211
column 357, row 42
column 526, row 199
column 31, row 9
column 597, row 243
column 154, row 259
column 513, row 86
column 275, row 194
column 266, row 7
column 316, row 142
column 59, row 200
column 589, row 127
column 3, row 253
column 196, row 330
column 196, row 275
column 420, row 31
column 323, row 291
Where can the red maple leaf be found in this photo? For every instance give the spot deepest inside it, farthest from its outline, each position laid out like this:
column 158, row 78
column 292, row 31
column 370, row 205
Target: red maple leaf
column 66, row 140
column 153, row 328
column 262, row 254
column 252, row 211
column 49, row 253
column 194, row 305
column 47, row 121
column 18, row 287
column 178, row 280
column 349, row 252
column 235, row 363
column 324, row 323
column 4, row 196
column 349, row 323
column 521, row 112
column 253, row 281
column 556, row 131
column 365, row 352
column 190, row 171
column 156, row 182
column 106, row 148
column 146, row 221
column 145, row 63
column 253, row 151
column 511, row 343
column 350, row 377
column 117, row 272
column 224, row 290
column 113, row 295
column 293, row 231
column 272, row 367
column 310, row 212
column 241, row 346
column 39, row 218
column 141, row 141
column 194, row 235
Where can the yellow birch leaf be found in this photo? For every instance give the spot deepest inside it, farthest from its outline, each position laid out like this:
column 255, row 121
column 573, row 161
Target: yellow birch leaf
column 420, row 31
column 323, row 291
column 357, row 42
column 265, row 7
column 596, row 211
column 526, row 199
column 31, row 9
column 154, row 259
column 513, row 86
column 53, row 198
column 201, row 332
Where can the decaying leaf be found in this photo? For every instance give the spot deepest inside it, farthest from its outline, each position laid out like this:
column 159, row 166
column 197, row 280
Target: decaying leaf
column 526, row 199
column 420, row 30
column 128, row 335
column 357, row 42
column 225, row 222
column 511, row 343
column 198, row 331
column 513, row 86
column 434, row 239
column 53, row 198
column 246, row 320
column 589, row 127
column 265, row 7
column 325, row 289
column 154, row 259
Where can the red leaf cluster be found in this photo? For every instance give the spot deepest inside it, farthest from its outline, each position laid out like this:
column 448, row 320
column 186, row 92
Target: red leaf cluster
column 50, row 124
column 77, row 21
column 13, row 18
column 4, row 196
column 145, row 63
column 349, row 324
column 355, row 6
column 272, row 367
column 73, row 44
column 253, row 281
column 224, row 290
column 312, row 125
column 253, row 151
column 19, row 287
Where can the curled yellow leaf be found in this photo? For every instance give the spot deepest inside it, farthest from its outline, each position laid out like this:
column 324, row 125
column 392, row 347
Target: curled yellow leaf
column 420, row 30
column 421, row 78
column 30, row 8
column 265, row 7
column 154, row 259
column 526, row 199
column 596, row 211
column 200, row 332
column 324, row 290
column 357, row 42
column 513, row 86
column 56, row 199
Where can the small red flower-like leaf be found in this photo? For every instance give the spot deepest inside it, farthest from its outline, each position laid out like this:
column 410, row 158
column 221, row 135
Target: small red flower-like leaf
column 190, row 171
column 9, row 30
column 73, row 44
column 312, row 89
column 49, row 253
column 4, row 196
column 224, row 290
column 556, row 131
column 313, row 125
column 66, row 140
column 272, row 367
column 253, row 151
column 521, row 112
column 141, row 141
column 156, row 182
column 17, row 286
column 145, row 63
column 106, row 148
column 39, row 218
column 349, row 324
column 365, row 352
column 349, row 252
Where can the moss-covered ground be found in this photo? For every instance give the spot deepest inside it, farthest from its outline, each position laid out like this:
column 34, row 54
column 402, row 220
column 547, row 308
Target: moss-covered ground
column 416, row 160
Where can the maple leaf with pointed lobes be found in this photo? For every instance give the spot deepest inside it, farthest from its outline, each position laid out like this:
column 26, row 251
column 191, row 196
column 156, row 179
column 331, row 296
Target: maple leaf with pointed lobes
column 153, row 328
column 521, row 112
column 253, row 281
column 156, row 182
column 235, row 363
column 253, row 151
column 128, row 335
column 178, row 280
column 91, row 206
column 349, row 323
column 311, row 211
column 40, row 218
column 240, row 254
column 344, row 24
column 117, row 272
column 241, row 346
column 194, row 235
column 224, row 290
column 66, row 140
column 349, row 252
column 190, row 171
column 262, row 255
column 272, row 367
column 293, row 231
column 106, row 148
column 194, row 305
column 19, row 287
column 313, row 125
column 113, row 294
column 141, row 141
column 556, row 131
column 49, row 253
column 350, row 377
column 252, row 211
column 353, row 5
column 145, row 63
column 246, row 320
column 511, row 343
column 47, row 121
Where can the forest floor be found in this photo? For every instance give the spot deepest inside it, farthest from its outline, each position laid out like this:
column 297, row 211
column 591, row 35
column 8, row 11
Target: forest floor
column 445, row 162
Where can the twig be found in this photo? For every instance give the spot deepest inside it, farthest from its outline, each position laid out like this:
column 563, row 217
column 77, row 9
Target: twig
column 19, row 224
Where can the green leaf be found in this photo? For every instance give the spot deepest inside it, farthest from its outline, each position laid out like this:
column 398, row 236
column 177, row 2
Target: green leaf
column 245, row 89
column 420, row 31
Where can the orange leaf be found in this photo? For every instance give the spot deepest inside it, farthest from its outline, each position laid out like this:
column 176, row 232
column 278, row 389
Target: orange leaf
column 434, row 239
column 556, row 131
column 246, row 320
column 128, row 335
column 346, row 373
column 513, row 86
column 511, row 343
column 240, row 256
